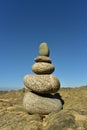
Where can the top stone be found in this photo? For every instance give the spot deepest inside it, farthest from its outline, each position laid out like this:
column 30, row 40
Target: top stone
column 43, row 49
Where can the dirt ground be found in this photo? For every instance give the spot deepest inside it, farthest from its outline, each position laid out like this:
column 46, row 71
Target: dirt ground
column 73, row 116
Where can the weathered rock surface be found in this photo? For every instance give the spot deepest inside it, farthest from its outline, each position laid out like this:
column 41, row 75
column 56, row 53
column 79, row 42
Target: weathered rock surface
column 43, row 59
column 43, row 49
column 43, row 68
column 73, row 116
column 41, row 104
column 42, row 83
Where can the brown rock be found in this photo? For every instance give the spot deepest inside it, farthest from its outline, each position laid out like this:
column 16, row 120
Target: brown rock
column 42, row 105
column 42, row 59
column 43, row 68
column 42, row 83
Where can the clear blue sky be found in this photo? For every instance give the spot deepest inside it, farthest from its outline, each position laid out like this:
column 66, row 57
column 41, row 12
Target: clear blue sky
column 24, row 24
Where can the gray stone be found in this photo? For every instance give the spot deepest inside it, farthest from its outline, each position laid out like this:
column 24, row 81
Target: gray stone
column 42, row 83
column 42, row 105
column 42, row 59
column 43, row 68
column 43, row 49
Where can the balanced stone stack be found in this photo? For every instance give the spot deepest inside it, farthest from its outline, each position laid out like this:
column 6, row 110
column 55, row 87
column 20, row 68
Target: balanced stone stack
column 41, row 99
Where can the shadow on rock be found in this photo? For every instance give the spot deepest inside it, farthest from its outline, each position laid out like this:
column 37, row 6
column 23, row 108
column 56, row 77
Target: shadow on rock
column 53, row 96
column 58, row 96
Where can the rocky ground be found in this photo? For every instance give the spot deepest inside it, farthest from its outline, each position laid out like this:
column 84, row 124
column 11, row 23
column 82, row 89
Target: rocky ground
column 73, row 116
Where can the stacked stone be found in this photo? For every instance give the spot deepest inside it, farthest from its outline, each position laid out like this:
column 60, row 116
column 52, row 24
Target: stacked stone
column 41, row 99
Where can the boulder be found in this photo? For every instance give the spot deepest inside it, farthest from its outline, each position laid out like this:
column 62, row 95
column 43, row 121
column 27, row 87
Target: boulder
column 41, row 104
column 42, row 83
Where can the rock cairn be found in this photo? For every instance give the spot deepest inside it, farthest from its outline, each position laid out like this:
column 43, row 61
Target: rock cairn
column 41, row 99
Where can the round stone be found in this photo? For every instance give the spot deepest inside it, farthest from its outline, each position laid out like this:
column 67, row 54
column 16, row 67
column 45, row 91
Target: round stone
column 42, row 83
column 43, row 59
column 43, row 49
column 36, row 104
column 43, row 68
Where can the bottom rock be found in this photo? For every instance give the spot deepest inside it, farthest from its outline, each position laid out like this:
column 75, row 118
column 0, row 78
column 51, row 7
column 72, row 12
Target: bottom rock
column 34, row 103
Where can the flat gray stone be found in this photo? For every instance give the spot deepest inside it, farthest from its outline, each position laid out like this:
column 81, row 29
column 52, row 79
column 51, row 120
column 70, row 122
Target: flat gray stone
column 43, row 68
column 42, row 83
column 39, row 104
